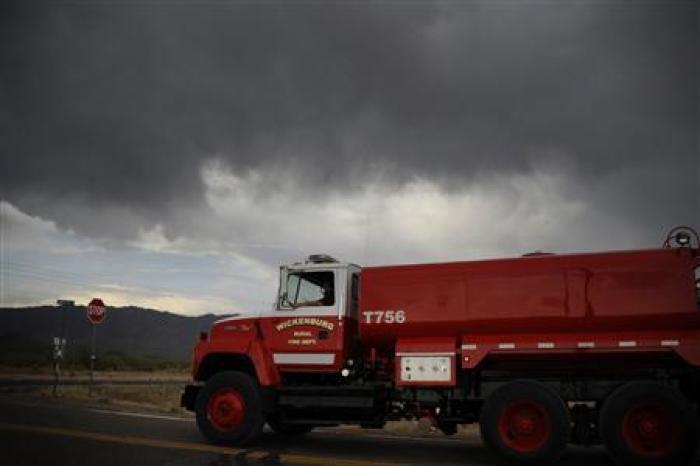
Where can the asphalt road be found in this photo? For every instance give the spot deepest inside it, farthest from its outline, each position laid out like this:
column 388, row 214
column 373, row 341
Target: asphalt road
column 37, row 432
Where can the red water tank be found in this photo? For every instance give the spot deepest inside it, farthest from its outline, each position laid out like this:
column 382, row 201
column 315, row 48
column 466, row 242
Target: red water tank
column 629, row 290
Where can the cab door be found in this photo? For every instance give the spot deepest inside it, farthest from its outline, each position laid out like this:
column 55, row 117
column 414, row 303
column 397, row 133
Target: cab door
column 306, row 331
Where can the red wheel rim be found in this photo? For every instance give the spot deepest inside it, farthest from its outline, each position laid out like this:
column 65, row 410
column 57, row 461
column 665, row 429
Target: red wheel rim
column 226, row 409
column 650, row 429
column 525, row 426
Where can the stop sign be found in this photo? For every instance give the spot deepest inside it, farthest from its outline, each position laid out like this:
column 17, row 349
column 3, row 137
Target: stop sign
column 96, row 311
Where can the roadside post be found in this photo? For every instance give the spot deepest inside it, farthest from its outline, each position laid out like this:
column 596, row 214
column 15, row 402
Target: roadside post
column 96, row 315
column 59, row 343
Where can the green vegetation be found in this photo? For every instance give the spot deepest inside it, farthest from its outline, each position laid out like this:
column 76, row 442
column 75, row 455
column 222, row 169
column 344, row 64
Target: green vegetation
column 119, row 361
column 17, row 351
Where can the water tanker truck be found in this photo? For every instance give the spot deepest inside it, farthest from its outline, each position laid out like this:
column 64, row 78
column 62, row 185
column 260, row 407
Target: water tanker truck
column 541, row 350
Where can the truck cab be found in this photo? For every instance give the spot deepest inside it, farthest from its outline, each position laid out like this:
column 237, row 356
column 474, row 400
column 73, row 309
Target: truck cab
column 314, row 316
column 307, row 330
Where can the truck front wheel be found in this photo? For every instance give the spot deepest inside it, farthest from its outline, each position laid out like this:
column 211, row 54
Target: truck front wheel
column 229, row 409
column 525, row 423
column 648, row 424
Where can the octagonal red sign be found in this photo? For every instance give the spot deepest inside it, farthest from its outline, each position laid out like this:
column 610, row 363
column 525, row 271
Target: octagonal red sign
column 96, row 311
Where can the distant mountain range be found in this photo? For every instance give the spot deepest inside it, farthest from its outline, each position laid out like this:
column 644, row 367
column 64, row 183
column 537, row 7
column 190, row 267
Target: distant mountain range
column 130, row 330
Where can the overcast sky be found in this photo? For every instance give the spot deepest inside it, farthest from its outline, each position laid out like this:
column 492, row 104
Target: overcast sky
column 172, row 154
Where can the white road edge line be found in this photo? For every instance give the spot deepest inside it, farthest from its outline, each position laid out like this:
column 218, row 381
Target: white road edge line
column 150, row 416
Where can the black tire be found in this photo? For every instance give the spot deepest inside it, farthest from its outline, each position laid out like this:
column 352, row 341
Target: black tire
column 290, row 430
column 546, row 427
column 249, row 423
column 671, row 437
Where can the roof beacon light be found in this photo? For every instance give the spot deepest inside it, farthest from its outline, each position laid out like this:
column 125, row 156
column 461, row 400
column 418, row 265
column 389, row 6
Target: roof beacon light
column 321, row 259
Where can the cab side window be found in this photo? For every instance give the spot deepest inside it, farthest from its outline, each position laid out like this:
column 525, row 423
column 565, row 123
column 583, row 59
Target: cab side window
column 309, row 289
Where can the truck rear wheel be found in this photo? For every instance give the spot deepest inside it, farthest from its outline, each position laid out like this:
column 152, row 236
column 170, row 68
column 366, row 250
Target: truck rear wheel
column 647, row 423
column 525, row 423
column 229, row 409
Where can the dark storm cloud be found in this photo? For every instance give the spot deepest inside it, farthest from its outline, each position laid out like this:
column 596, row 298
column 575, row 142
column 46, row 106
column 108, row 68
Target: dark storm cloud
column 119, row 105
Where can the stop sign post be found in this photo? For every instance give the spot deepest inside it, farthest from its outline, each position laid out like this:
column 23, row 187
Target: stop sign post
column 96, row 315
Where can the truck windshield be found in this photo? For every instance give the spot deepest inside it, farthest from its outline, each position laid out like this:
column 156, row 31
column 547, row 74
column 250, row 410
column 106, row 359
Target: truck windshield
column 308, row 289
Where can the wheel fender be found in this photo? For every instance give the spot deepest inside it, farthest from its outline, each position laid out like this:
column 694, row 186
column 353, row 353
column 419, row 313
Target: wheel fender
column 264, row 365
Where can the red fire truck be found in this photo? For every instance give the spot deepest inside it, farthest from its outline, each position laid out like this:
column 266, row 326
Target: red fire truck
column 540, row 350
